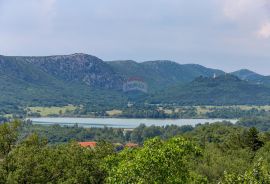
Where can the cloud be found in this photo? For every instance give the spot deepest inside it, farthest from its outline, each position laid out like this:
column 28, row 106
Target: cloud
column 27, row 16
column 264, row 31
column 250, row 15
column 49, row 3
column 245, row 9
column 237, row 9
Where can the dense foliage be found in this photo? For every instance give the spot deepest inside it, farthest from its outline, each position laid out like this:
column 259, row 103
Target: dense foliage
column 211, row 153
column 262, row 122
column 222, row 90
column 156, row 162
column 229, row 112
column 58, row 134
column 147, row 111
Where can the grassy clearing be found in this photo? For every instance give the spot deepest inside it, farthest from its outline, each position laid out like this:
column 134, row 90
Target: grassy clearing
column 242, row 107
column 114, row 112
column 168, row 111
column 205, row 109
column 201, row 110
column 46, row 111
column 8, row 115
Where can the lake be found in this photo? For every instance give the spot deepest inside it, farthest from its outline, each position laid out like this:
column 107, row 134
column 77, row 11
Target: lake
column 121, row 123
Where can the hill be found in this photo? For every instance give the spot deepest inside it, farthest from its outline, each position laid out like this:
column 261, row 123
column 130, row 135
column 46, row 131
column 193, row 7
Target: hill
column 222, row 90
column 55, row 81
column 80, row 68
column 161, row 74
column 252, row 77
column 82, row 79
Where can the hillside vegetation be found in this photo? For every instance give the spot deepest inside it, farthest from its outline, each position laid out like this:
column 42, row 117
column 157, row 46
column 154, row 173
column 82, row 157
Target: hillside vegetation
column 89, row 82
column 222, row 90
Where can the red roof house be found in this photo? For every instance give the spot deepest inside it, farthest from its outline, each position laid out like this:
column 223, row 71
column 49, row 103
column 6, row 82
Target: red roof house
column 88, row 144
column 131, row 145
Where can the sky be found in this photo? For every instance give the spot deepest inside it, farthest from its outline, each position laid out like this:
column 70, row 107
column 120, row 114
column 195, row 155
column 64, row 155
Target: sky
column 222, row 34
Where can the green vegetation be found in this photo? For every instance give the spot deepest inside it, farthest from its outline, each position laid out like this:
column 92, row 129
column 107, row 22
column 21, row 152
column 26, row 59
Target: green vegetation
column 170, row 111
column 161, row 74
column 222, row 90
column 156, row 162
column 153, row 111
column 253, row 77
column 262, row 122
column 50, row 111
column 95, row 87
column 211, row 153
column 56, row 134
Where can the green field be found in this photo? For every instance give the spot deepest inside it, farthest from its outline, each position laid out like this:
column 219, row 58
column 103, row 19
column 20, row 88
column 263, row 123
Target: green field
column 47, row 111
column 205, row 109
column 201, row 111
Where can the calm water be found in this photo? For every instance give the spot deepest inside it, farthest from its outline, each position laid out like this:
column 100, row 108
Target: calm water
column 121, row 123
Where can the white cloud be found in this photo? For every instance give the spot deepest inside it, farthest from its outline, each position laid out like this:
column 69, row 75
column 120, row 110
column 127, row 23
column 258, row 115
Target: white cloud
column 250, row 15
column 237, row 9
column 27, row 16
column 245, row 9
column 47, row 5
column 264, row 31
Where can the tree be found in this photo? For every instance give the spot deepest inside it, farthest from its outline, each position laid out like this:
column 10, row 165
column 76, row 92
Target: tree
column 156, row 162
column 252, row 139
column 8, row 137
column 33, row 161
column 136, row 134
column 257, row 175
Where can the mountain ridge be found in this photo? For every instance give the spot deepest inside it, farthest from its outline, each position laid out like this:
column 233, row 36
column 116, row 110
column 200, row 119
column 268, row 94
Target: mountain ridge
column 162, row 72
column 222, row 90
column 83, row 79
column 252, row 77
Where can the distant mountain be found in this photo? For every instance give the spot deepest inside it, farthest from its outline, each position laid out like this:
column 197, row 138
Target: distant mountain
column 162, row 73
column 22, row 81
column 56, row 81
column 253, row 77
column 83, row 79
column 82, row 68
column 222, row 90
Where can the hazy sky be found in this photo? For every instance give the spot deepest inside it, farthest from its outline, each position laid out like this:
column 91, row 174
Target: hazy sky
column 224, row 34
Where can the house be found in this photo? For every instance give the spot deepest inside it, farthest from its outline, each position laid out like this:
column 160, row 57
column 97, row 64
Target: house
column 131, row 145
column 88, row 144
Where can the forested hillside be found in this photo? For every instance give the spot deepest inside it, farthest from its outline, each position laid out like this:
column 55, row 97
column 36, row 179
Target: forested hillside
column 252, row 77
column 88, row 82
column 222, row 90
column 162, row 74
